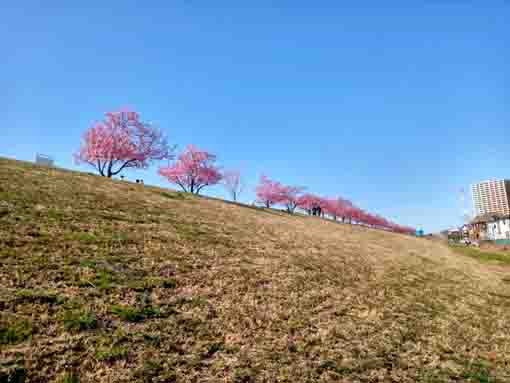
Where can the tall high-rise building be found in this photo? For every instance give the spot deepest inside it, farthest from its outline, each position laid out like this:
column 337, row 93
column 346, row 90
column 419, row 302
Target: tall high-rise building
column 491, row 197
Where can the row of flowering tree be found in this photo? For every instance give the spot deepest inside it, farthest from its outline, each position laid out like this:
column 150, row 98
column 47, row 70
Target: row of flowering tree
column 270, row 193
column 122, row 141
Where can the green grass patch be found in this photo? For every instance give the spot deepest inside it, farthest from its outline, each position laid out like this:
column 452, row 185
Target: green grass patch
column 329, row 365
column 103, row 279
column 84, row 237
column 154, row 340
column 175, row 195
column 244, row 375
column 112, row 354
column 38, row 296
column 481, row 255
column 54, row 214
column 131, row 314
column 69, row 377
column 166, row 283
column 128, row 314
column 149, row 371
column 478, row 372
column 79, row 320
column 15, row 331
column 151, row 312
column 88, row 263
column 153, row 282
column 120, row 237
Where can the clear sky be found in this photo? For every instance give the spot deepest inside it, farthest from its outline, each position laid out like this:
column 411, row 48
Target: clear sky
column 394, row 106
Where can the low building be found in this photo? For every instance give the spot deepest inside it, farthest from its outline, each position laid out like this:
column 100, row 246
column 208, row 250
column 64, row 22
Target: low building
column 499, row 230
column 491, row 227
column 454, row 234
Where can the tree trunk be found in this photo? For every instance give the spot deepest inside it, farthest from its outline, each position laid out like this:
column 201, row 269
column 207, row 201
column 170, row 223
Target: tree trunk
column 109, row 174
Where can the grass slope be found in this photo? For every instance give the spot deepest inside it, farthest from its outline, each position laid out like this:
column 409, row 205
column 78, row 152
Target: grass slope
column 109, row 281
column 482, row 255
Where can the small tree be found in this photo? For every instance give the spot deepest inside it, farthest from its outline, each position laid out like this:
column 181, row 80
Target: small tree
column 193, row 170
column 121, row 141
column 233, row 183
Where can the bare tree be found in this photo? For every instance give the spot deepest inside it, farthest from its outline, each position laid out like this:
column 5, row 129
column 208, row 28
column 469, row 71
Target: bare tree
column 232, row 183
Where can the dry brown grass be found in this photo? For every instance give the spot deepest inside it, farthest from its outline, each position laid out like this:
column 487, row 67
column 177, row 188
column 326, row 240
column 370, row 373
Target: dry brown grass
column 109, row 281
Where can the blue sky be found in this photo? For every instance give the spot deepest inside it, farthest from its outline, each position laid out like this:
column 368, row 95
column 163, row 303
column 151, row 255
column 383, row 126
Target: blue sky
column 394, row 106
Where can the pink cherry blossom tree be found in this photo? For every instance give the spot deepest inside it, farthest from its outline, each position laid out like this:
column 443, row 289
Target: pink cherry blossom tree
column 194, row 170
column 312, row 204
column 290, row 197
column 381, row 222
column 269, row 192
column 345, row 210
column 336, row 207
column 233, row 183
column 357, row 214
column 121, row 141
column 306, row 202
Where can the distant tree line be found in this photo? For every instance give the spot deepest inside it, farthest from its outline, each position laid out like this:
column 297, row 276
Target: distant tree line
column 270, row 193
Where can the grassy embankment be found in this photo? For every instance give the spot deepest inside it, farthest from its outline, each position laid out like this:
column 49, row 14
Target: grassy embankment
column 109, row 281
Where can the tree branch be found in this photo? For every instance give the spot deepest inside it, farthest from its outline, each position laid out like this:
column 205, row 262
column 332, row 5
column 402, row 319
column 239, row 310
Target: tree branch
column 200, row 187
column 124, row 165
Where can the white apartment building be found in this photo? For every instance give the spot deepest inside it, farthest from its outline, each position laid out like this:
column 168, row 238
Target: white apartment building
column 491, row 197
